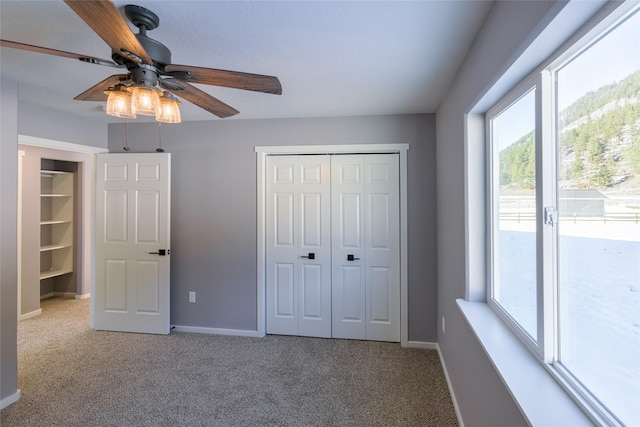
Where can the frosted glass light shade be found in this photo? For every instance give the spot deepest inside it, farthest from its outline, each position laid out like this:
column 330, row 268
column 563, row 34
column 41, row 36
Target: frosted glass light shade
column 119, row 103
column 169, row 110
column 145, row 100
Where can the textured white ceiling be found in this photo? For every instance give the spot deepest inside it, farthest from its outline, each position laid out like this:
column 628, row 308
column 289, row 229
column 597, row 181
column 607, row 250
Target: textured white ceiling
column 333, row 58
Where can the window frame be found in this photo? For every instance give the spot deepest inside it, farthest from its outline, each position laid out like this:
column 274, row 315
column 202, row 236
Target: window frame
column 532, row 83
column 543, row 80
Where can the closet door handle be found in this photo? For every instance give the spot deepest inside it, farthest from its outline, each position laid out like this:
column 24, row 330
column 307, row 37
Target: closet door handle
column 161, row 252
column 310, row 256
column 350, row 257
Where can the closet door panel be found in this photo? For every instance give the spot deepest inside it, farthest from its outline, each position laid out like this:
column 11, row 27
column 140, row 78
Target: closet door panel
column 282, row 251
column 298, row 246
column 382, row 186
column 348, row 277
column 314, row 249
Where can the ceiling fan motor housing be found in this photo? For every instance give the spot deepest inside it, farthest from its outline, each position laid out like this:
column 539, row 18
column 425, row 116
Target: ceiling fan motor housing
column 145, row 20
column 144, row 74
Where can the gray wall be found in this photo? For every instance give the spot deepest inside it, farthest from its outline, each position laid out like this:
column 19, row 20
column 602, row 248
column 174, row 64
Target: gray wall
column 43, row 122
column 8, row 237
column 516, row 37
column 25, row 119
column 214, row 202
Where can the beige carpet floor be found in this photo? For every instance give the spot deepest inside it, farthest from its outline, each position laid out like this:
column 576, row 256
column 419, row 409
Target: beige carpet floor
column 71, row 375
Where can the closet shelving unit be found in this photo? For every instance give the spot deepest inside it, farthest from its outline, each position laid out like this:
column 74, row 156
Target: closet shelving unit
column 56, row 223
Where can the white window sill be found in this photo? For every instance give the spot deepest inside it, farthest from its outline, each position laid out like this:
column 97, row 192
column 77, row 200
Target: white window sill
column 539, row 397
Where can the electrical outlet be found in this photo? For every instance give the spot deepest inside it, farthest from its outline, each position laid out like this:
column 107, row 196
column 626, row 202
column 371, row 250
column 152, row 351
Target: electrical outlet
column 443, row 331
column 192, row 297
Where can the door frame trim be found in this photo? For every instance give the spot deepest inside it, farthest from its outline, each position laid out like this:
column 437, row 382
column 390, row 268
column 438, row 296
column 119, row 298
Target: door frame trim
column 261, row 158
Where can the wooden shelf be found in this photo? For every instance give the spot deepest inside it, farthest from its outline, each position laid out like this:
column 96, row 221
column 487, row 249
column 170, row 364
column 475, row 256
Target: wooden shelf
column 53, row 247
column 52, row 173
column 56, row 223
column 53, row 273
column 51, row 222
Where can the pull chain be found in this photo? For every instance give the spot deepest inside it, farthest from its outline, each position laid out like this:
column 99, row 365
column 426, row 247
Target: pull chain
column 159, row 149
column 126, row 136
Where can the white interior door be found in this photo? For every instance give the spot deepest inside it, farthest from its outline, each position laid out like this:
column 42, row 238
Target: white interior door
column 365, row 247
column 298, row 245
column 133, row 202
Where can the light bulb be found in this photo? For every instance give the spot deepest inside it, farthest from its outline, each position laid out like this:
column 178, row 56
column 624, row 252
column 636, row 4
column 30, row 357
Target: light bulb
column 119, row 102
column 169, row 110
column 145, row 100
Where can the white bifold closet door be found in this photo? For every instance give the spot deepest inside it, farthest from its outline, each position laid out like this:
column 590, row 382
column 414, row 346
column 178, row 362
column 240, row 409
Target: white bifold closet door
column 299, row 245
column 365, row 247
column 333, row 256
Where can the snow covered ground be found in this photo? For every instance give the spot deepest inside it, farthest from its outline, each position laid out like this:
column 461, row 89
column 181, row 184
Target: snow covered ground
column 599, row 296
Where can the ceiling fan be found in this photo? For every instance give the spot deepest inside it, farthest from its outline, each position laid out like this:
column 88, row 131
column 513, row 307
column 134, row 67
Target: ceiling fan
column 147, row 61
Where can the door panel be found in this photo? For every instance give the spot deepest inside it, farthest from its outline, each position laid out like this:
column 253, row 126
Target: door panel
column 350, row 221
column 284, row 220
column 380, row 288
column 311, row 287
column 132, row 221
column 350, row 304
column 348, row 278
column 311, row 220
column 298, row 189
column 383, row 247
column 116, row 286
column 148, row 217
column 285, row 295
column 366, row 261
column 282, row 251
column 116, row 213
column 379, row 221
column 148, row 291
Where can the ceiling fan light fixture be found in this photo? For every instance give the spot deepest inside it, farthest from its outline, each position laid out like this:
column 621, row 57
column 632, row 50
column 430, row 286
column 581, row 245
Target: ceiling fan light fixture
column 119, row 102
column 169, row 109
column 145, row 100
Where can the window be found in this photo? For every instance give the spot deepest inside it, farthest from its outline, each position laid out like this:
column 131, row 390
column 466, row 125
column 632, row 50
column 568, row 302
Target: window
column 514, row 208
column 564, row 228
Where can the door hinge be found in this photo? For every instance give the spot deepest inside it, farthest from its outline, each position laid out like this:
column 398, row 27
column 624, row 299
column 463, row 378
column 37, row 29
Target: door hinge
column 550, row 215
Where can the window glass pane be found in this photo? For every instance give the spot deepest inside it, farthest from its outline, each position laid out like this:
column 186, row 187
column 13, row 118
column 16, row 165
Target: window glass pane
column 514, row 187
column 598, row 182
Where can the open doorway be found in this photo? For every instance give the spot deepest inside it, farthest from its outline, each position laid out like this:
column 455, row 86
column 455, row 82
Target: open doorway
column 56, row 229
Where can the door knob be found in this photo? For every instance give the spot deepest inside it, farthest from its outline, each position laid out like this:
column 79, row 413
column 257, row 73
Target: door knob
column 350, row 257
column 161, row 252
column 310, row 256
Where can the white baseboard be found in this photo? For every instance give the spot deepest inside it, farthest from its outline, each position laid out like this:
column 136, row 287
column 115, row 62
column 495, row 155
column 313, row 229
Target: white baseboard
column 217, row 331
column 31, row 314
column 423, row 345
column 10, row 399
column 453, row 395
column 69, row 295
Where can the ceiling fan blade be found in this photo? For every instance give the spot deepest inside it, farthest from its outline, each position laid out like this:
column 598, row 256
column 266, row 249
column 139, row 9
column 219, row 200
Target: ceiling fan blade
column 103, row 17
column 200, row 98
column 96, row 92
column 39, row 49
column 233, row 79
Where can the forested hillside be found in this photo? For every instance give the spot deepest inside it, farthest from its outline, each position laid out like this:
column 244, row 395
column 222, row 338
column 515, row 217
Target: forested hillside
column 599, row 143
